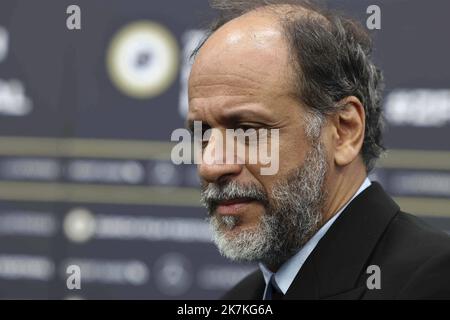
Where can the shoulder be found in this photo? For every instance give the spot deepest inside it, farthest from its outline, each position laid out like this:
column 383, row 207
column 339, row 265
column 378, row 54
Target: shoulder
column 414, row 259
column 414, row 237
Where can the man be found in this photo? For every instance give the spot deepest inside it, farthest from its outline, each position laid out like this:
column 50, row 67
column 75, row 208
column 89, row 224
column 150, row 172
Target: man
column 318, row 227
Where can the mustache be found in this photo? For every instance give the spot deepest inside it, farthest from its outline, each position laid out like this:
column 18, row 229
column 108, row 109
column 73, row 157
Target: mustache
column 212, row 194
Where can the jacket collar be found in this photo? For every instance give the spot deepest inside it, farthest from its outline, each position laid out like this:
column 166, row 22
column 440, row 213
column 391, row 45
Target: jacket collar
column 341, row 255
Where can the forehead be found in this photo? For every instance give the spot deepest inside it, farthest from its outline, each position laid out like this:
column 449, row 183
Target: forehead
column 246, row 58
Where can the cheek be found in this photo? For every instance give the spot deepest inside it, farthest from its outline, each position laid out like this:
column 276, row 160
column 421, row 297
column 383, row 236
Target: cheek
column 293, row 151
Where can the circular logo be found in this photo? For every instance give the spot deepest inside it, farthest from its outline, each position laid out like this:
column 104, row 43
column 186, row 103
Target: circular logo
column 79, row 225
column 142, row 59
column 173, row 274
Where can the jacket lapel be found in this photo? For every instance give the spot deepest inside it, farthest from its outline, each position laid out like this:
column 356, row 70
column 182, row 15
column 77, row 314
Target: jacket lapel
column 334, row 267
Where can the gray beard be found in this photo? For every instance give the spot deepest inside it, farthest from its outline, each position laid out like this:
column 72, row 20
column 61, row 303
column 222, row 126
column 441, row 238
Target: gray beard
column 293, row 214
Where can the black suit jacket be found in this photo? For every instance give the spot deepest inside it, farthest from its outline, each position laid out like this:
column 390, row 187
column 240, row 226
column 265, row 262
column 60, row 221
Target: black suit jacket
column 414, row 259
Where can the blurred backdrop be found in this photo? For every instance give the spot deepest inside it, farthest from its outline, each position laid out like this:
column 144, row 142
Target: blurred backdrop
column 85, row 123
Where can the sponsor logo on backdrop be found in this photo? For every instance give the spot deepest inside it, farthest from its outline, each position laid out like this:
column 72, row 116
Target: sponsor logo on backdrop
column 173, row 274
column 79, row 225
column 26, row 267
column 118, row 272
column 142, row 59
column 13, row 100
column 418, row 107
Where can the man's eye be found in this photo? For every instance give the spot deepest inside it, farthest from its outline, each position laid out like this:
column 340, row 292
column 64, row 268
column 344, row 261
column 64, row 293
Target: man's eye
column 247, row 127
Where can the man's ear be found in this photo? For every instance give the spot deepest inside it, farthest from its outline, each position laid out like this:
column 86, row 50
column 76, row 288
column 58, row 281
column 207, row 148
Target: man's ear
column 349, row 128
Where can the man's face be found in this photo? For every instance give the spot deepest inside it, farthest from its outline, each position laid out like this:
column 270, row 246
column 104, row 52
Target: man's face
column 241, row 79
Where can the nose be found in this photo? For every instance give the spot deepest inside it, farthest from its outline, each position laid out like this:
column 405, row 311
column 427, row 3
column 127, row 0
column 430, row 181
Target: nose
column 216, row 165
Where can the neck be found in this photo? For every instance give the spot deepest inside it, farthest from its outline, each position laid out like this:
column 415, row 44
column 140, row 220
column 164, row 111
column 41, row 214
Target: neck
column 345, row 183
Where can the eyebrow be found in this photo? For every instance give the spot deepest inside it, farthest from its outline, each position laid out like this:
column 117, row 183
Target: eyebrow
column 236, row 115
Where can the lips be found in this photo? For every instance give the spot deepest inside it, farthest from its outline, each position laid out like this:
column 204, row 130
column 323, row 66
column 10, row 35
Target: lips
column 233, row 206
